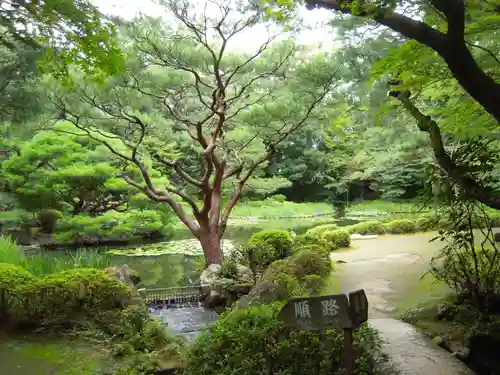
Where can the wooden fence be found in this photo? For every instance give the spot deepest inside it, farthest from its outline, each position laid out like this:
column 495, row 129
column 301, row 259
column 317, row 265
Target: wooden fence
column 173, row 296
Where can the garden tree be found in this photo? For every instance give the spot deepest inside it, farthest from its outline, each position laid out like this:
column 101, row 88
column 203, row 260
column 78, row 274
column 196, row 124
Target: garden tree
column 468, row 166
column 65, row 172
column 19, row 101
column 68, row 31
column 370, row 143
column 449, row 27
column 301, row 158
column 209, row 117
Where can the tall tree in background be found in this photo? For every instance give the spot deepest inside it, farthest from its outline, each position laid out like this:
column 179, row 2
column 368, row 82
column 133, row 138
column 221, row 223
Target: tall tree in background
column 208, row 117
column 448, row 27
column 70, row 32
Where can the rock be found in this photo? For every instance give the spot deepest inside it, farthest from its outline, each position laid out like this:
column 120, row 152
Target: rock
column 496, row 236
column 218, row 291
column 125, row 275
column 214, row 299
column 244, row 274
column 260, row 294
column 459, row 351
column 209, row 277
column 240, row 288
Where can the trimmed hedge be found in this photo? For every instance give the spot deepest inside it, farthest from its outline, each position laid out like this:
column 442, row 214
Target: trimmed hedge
column 58, row 298
column 337, row 239
column 267, row 246
column 320, row 229
column 254, row 341
column 367, row 227
column 401, row 227
column 301, row 274
column 281, row 241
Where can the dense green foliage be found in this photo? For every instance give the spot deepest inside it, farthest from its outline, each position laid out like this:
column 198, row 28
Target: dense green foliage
column 401, row 226
column 368, row 227
column 254, row 341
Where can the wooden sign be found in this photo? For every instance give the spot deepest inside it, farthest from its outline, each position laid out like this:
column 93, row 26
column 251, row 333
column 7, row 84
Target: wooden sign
column 317, row 313
column 329, row 312
column 358, row 304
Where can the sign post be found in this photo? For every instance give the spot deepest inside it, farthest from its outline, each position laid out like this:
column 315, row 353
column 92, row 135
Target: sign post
column 329, row 312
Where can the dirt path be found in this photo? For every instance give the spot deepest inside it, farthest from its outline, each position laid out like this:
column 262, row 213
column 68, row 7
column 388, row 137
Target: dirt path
column 389, row 269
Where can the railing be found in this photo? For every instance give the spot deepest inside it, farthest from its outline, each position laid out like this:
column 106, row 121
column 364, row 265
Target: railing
column 173, row 296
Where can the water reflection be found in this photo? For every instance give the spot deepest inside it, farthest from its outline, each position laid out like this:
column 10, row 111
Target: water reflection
column 187, row 320
column 166, row 270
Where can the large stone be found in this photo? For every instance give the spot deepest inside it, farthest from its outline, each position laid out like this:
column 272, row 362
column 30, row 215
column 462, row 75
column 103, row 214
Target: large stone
column 262, row 293
column 244, row 274
column 209, row 277
column 125, row 275
column 219, row 291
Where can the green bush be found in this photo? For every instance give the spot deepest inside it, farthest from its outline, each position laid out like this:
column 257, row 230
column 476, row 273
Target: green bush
column 254, row 341
column 468, row 272
column 367, row 227
column 123, row 226
column 304, row 242
column 303, row 273
column 280, row 240
column 229, row 269
column 401, row 226
column 278, row 198
column 337, row 239
column 320, row 229
column 59, row 298
column 425, row 223
column 266, row 246
column 48, row 220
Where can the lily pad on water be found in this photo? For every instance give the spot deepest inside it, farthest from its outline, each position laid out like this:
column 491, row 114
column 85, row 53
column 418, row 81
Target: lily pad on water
column 186, row 247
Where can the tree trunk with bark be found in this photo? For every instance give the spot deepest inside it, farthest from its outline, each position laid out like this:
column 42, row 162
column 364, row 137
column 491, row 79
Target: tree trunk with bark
column 211, row 244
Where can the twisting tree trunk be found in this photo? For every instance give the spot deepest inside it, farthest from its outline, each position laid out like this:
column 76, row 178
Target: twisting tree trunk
column 471, row 188
column 209, row 100
column 450, row 45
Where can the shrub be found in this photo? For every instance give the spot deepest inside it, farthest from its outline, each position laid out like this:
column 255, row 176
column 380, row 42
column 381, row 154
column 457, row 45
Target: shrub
column 59, row 297
column 425, row 223
column 473, row 273
column 302, row 273
column 278, row 198
column 280, row 240
column 367, row 227
column 266, row 246
column 48, row 220
column 337, row 239
column 303, row 242
column 229, row 269
column 260, row 256
column 123, row 226
column 320, row 229
column 401, row 226
column 254, row 341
